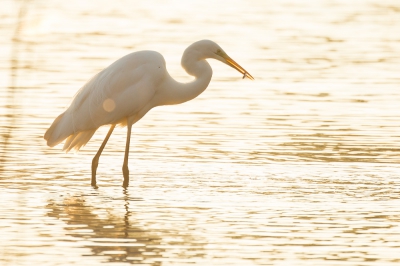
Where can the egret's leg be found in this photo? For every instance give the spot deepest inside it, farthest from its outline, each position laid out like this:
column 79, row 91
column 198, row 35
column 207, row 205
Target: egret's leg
column 125, row 169
column 95, row 161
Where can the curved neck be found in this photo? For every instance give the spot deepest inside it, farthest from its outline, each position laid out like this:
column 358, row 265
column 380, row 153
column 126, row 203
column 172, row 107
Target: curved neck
column 176, row 92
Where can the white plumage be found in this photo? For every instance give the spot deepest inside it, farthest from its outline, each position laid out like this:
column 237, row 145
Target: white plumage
column 129, row 83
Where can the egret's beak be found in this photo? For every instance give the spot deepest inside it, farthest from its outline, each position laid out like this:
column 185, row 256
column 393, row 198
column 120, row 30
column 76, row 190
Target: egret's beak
column 230, row 62
column 236, row 66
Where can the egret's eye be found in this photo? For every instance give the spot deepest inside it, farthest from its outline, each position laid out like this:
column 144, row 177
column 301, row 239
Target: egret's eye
column 219, row 52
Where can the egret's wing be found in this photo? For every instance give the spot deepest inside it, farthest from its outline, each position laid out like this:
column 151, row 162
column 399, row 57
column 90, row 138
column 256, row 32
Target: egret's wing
column 110, row 96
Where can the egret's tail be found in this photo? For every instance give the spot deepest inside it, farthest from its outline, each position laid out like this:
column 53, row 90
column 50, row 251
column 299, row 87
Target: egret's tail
column 61, row 129
column 76, row 141
column 58, row 131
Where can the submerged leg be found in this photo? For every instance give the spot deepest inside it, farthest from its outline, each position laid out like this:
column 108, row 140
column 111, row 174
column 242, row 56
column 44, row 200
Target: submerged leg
column 95, row 161
column 125, row 169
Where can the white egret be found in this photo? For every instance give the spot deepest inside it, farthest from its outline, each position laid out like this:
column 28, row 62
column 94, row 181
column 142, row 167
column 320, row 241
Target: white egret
column 125, row 91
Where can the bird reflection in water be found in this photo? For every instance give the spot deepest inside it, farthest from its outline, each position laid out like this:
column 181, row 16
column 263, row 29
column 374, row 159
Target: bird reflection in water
column 113, row 236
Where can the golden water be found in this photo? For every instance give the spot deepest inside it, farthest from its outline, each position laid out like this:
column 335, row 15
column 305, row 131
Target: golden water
column 299, row 167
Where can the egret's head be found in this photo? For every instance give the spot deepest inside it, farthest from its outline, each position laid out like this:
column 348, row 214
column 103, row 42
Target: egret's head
column 210, row 49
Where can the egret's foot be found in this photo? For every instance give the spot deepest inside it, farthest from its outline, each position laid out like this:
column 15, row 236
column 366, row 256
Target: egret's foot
column 93, row 183
column 125, row 184
column 125, row 172
column 95, row 163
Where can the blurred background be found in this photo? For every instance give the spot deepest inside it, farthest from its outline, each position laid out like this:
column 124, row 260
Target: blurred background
column 299, row 166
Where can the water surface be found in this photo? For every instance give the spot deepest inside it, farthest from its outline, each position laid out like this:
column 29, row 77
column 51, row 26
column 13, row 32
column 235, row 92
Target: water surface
column 299, row 167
